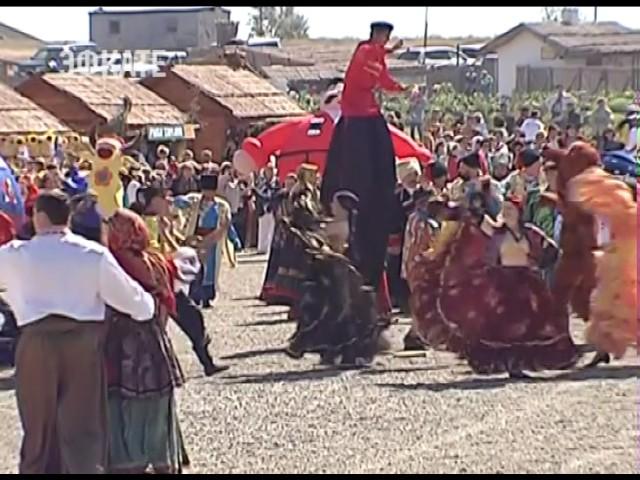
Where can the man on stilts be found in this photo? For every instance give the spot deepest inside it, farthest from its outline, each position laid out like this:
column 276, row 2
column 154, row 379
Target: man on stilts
column 360, row 174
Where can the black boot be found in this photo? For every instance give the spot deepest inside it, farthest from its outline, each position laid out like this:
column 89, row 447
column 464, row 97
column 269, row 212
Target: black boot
column 412, row 342
column 328, row 357
column 600, row 357
column 518, row 375
column 202, row 352
column 293, row 352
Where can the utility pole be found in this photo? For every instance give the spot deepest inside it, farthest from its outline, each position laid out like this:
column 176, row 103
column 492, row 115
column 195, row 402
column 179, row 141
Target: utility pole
column 261, row 21
column 424, row 43
column 426, row 26
column 595, row 14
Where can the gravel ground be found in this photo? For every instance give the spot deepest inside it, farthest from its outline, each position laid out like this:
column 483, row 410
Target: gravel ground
column 271, row 414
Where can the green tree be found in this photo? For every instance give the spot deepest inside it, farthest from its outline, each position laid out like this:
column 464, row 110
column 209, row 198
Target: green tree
column 552, row 14
column 280, row 22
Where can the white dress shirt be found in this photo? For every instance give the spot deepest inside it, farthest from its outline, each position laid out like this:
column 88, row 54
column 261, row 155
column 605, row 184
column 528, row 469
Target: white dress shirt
column 188, row 266
column 65, row 274
column 132, row 191
column 530, row 127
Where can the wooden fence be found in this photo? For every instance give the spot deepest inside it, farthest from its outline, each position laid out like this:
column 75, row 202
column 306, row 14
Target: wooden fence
column 590, row 79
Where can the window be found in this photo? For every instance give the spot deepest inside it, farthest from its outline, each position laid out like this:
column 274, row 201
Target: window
column 114, row 27
column 81, row 48
column 47, row 53
column 172, row 25
column 410, row 55
column 548, row 53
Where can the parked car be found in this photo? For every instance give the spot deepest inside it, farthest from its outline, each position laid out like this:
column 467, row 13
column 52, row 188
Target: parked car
column 264, row 42
column 54, row 57
column 434, row 57
column 472, row 51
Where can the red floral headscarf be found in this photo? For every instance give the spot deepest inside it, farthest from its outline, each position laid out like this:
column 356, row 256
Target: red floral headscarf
column 129, row 242
column 516, row 200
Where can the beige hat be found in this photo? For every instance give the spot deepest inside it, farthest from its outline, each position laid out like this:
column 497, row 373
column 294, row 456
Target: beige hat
column 407, row 166
column 162, row 150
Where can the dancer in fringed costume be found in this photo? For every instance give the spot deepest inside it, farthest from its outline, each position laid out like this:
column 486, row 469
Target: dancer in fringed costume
column 614, row 322
column 574, row 275
column 336, row 313
column 285, row 268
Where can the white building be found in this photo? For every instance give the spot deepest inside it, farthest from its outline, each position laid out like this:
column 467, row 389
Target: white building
column 566, row 44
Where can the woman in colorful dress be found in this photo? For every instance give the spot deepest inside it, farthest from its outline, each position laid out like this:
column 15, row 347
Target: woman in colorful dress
column 285, row 268
column 488, row 301
column 422, row 228
column 143, row 370
column 614, row 321
column 337, row 315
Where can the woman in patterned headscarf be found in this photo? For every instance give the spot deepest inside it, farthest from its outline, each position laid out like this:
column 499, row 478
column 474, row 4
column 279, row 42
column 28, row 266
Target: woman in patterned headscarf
column 143, row 369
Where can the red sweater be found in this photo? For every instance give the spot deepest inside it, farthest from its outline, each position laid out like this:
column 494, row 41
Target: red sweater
column 367, row 72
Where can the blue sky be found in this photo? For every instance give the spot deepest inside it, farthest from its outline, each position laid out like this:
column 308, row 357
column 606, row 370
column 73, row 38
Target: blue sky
column 72, row 23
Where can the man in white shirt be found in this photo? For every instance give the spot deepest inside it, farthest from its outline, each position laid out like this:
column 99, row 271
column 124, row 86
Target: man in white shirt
column 58, row 285
column 531, row 126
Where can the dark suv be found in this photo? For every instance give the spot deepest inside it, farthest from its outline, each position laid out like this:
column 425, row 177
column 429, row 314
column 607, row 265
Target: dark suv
column 51, row 58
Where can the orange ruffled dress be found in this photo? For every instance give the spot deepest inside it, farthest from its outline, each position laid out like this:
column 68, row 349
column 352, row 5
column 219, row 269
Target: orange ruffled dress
column 613, row 326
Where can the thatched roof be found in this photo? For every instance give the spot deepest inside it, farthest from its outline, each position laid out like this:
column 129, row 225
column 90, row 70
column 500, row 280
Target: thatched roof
column 280, row 75
column 245, row 94
column 18, row 114
column 103, row 95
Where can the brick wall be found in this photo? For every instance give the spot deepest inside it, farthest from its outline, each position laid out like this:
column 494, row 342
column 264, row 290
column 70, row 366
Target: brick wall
column 60, row 104
column 214, row 120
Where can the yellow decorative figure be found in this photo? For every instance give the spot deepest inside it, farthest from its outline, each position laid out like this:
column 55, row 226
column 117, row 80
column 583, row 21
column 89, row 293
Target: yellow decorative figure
column 104, row 178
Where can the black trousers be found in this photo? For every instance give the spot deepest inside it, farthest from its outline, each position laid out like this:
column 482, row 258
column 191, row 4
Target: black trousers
column 398, row 288
column 361, row 161
column 8, row 335
column 238, row 220
column 191, row 322
column 415, row 130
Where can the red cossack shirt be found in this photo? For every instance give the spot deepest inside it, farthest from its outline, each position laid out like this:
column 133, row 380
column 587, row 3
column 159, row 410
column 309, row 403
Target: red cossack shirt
column 366, row 73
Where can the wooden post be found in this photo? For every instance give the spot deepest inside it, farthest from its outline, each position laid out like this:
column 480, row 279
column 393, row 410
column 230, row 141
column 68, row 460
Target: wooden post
column 424, row 42
column 580, row 79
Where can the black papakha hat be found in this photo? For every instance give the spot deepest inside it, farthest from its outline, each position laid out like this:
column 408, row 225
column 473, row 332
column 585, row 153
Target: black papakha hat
column 471, row 160
column 209, row 182
column 529, row 156
column 438, row 170
column 381, row 26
